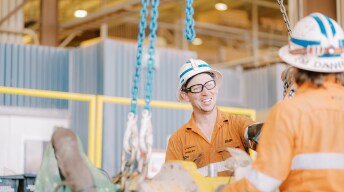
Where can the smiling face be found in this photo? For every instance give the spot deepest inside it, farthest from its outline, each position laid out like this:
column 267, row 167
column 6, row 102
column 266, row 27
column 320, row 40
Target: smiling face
column 205, row 101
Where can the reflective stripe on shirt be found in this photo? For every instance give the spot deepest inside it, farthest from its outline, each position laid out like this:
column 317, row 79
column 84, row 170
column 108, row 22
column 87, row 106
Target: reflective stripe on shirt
column 262, row 181
column 310, row 161
column 212, row 169
column 318, row 161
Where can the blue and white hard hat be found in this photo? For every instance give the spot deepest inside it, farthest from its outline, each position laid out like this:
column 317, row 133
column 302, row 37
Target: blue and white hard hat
column 316, row 44
column 191, row 68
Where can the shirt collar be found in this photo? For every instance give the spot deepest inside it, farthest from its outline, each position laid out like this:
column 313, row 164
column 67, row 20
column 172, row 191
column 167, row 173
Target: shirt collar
column 220, row 119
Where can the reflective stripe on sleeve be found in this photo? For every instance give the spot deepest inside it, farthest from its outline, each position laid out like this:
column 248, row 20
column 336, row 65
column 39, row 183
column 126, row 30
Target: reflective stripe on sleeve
column 213, row 168
column 262, row 181
column 318, row 161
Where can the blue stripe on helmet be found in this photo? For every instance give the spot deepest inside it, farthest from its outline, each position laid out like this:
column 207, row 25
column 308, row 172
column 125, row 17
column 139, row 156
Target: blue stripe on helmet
column 188, row 62
column 329, row 55
column 321, row 25
column 332, row 26
column 341, row 43
column 304, row 43
column 190, row 69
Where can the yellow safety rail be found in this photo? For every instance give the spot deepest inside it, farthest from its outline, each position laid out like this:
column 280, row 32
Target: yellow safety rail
column 162, row 104
column 91, row 99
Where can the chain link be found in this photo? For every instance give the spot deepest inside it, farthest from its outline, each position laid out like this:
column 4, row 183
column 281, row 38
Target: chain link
column 285, row 16
column 189, row 32
column 138, row 66
column 151, row 51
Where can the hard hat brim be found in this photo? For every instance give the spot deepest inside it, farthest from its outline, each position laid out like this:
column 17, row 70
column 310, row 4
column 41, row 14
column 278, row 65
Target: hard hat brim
column 316, row 64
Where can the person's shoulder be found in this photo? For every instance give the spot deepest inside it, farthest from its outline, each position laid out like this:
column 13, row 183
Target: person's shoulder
column 237, row 120
column 292, row 106
column 232, row 117
column 297, row 103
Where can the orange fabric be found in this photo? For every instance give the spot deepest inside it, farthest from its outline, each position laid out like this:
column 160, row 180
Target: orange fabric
column 189, row 143
column 310, row 123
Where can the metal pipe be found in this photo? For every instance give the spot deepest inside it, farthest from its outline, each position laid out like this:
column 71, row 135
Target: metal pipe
column 293, row 12
column 301, row 9
column 69, row 38
column 29, row 32
column 340, row 15
column 255, row 29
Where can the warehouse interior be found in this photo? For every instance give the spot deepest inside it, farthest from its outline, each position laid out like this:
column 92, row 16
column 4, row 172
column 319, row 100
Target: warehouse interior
column 71, row 63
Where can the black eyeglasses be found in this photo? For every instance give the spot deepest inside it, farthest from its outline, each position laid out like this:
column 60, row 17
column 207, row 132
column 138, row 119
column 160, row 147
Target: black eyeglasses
column 199, row 87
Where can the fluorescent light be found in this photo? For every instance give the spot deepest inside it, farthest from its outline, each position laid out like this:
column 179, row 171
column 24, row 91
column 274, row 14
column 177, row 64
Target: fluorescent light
column 221, row 6
column 197, row 41
column 80, row 13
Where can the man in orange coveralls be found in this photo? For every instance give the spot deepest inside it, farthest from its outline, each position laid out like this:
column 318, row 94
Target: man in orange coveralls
column 205, row 137
column 302, row 146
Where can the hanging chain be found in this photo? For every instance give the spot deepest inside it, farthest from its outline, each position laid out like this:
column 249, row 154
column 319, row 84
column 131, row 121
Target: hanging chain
column 151, row 51
column 189, row 32
column 285, row 16
column 130, row 142
column 138, row 66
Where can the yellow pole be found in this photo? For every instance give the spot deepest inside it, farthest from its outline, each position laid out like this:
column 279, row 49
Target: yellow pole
column 92, row 130
column 46, row 94
column 99, row 131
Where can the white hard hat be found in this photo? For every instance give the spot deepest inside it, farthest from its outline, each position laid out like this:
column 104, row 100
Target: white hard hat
column 191, row 68
column 316, row 44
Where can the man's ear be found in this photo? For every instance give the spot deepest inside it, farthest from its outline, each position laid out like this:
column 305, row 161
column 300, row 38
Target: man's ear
column 185, row 96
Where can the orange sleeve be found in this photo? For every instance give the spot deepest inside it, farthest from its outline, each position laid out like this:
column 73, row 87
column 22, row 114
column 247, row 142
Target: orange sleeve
column 242, row 123
column 174, row 149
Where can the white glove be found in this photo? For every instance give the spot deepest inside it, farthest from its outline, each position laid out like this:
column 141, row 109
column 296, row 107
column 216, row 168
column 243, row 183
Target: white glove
column 239, row 163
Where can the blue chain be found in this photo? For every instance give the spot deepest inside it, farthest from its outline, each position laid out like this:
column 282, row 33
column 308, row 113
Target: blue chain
column 151, row 51
column 189, row 32
column 138, row 66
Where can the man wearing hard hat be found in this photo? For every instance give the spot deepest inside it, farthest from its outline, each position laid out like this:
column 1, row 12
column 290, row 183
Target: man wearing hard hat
column 302, row 146
column 205, row 137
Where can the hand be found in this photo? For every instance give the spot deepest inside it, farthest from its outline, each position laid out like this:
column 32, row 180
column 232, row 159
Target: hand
column 239, row 162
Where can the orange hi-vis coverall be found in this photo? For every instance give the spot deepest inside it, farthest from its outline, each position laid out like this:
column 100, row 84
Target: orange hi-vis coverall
column 302, row 144
column 189, row 143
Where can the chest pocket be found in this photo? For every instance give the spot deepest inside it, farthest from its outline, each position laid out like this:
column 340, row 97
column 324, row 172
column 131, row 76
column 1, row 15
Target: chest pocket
column 223, row 149
column 192, row 153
